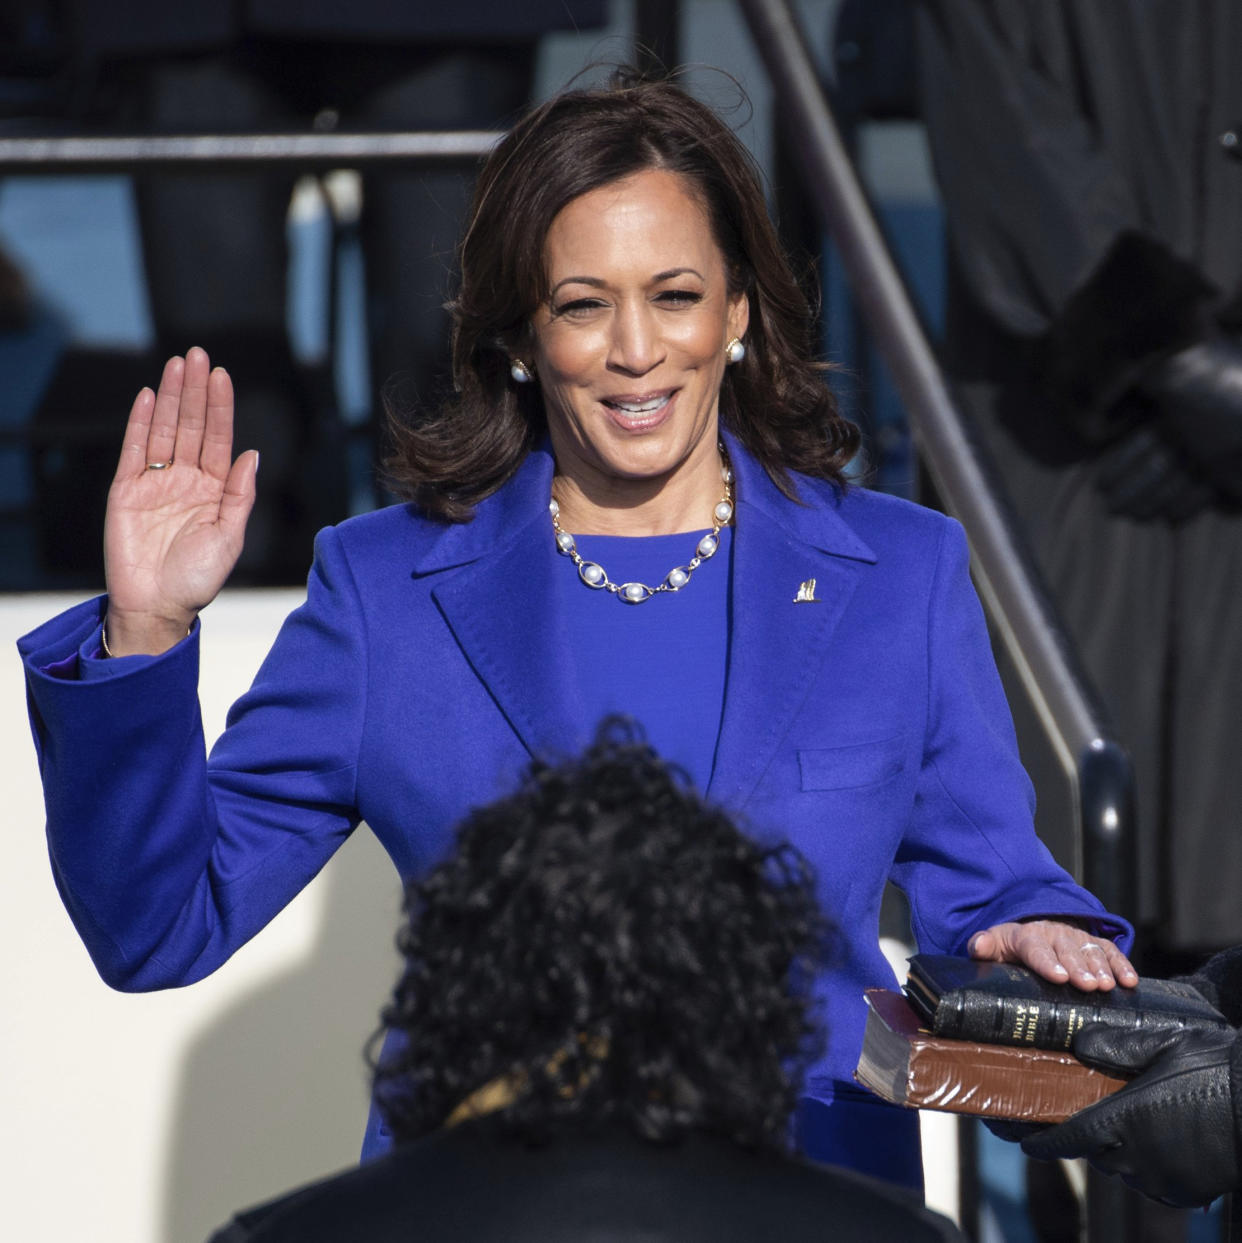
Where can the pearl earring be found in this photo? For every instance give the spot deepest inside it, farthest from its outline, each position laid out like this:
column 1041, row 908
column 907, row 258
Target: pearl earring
column 735, row 351
column 520, row 372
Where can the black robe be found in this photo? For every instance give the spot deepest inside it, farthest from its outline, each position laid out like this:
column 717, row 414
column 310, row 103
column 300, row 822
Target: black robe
column 608, row 1186
column 1094, row 206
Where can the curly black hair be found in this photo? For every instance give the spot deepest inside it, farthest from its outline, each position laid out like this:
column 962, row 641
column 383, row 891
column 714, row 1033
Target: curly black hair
column 609, row 947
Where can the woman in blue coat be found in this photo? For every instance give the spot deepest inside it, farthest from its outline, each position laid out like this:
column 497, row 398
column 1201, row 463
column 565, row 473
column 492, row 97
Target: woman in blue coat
column 634, row 503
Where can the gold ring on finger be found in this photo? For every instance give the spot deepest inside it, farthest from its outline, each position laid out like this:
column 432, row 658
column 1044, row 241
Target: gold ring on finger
column 159, row 465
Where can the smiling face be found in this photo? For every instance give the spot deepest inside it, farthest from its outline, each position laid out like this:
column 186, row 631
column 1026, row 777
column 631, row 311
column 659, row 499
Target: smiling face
column 630, row 354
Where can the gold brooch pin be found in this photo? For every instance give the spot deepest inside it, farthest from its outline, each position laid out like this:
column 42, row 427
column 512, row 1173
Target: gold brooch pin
column 806, row 593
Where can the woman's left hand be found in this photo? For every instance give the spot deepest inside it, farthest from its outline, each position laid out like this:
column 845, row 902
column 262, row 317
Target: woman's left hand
column 1059, row 952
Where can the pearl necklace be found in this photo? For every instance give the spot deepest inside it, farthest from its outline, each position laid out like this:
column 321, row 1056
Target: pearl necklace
column 595, row 576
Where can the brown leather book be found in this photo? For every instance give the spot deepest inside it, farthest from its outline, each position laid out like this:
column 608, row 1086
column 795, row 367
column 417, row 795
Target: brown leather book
column 906, row 1064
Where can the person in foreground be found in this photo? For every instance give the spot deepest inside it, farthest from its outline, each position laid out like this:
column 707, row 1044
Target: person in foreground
column 604, row 1010
column 635, row 503
column 1175, row 1131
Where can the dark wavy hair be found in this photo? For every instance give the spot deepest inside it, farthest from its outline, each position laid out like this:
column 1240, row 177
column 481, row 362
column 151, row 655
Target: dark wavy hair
column 775, row 400
column 611, row 948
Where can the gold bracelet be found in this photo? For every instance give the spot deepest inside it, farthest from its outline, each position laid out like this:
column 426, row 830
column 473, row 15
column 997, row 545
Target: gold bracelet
column 103, row 638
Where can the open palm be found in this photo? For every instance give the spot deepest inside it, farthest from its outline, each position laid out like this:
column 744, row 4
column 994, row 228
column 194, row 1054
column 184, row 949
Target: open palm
column 173, row 535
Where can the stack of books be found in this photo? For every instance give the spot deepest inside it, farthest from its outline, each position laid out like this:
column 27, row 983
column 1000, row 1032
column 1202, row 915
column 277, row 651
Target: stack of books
column 994, row 1039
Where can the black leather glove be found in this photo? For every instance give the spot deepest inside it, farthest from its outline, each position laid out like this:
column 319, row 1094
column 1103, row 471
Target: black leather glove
column 1012, row 1132
column 1144, row 478
column 1170, row 1132
column 1198, row 397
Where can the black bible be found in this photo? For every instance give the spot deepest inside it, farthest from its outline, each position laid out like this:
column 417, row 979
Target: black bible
column 1003, row 1003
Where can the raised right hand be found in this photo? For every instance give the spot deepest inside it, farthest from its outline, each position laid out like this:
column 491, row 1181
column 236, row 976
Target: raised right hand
column 172, row 536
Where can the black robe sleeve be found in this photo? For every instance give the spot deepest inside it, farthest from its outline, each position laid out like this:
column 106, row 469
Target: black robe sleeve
column 1053, row 226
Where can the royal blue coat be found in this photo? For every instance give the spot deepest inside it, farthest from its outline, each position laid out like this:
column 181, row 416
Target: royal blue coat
column 425, row 668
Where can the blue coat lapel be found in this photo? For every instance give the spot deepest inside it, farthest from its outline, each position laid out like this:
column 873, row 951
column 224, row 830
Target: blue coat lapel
column 499, row 608
column 497, row 602
column 777, row 646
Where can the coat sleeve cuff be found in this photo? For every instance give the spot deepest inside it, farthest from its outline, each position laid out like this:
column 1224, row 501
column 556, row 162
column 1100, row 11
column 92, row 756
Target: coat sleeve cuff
column 1141, row 303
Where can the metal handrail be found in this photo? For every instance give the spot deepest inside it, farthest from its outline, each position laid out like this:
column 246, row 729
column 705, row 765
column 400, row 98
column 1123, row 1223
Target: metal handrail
column 1012, row 588
column 128, row 153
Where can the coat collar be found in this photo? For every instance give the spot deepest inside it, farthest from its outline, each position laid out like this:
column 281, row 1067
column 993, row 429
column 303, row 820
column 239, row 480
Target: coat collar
column 817, row 522
column 524, row 499
column 496, row 602
column 497, row 521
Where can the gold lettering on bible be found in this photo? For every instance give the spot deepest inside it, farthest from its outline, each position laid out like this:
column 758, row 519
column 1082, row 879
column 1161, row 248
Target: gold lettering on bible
column 1024, row 1024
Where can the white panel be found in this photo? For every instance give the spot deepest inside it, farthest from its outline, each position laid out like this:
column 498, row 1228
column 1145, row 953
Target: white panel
column 172, row 1109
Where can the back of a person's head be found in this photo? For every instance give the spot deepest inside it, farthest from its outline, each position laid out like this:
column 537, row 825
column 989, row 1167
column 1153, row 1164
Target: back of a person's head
column 604, row 945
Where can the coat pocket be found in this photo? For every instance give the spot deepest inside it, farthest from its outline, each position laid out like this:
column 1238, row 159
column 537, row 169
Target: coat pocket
column 844, row 768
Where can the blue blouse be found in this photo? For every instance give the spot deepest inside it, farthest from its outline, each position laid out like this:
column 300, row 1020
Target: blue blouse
column 677, row 643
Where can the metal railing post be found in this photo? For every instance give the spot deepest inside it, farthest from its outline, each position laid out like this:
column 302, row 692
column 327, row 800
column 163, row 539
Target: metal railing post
column 52, row 153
